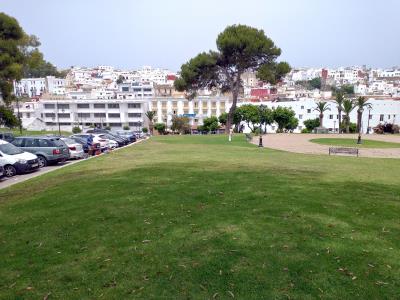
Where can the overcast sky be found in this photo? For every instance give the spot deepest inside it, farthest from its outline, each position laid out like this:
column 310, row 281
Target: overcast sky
column 166, row 33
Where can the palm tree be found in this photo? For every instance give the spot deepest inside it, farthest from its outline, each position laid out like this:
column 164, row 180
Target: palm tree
column 348, row 106
column 339, row 101
column 150, row 115
column 361, row 103
column 321, row 108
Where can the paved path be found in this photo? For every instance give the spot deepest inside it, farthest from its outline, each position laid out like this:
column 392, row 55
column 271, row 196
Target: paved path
column 5, row 182
column 300, row 143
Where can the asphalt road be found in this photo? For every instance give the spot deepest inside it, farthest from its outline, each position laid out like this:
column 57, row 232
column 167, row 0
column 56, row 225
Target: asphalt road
column 5, row 182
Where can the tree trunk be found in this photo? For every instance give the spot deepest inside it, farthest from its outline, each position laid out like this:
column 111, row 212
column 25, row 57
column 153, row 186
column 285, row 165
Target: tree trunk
column 347, row 124
column 321, row 119
column 359, row 117
column 229, row 120
column 340, row 119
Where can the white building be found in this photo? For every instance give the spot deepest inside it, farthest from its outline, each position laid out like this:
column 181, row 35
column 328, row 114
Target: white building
column 33, row 87
column 382, row 111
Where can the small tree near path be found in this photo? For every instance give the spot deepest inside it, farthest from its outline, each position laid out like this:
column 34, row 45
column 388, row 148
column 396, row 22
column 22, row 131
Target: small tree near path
column 240, row 49
column 150, row 115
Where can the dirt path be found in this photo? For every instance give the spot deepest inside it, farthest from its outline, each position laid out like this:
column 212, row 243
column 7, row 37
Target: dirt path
column 300, row 143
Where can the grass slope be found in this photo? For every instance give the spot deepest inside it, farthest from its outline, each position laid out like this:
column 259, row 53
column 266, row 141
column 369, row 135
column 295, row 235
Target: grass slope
column 193, row 217
column 353, row 143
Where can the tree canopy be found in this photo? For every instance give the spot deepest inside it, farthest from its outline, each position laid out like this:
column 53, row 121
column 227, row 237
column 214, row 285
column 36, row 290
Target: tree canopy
column 284, row 116
column 240, row 49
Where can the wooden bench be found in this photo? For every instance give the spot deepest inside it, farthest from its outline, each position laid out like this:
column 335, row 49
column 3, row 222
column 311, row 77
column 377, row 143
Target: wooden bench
column 343, row 150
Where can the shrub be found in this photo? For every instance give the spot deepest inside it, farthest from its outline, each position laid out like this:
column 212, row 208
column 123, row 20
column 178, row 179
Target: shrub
column 160, row 127
column 305, row 130
column 76, row 129
column 386, row 128
column 311, row 124
column 145, row 130
column 126, row 127
column 210, row 124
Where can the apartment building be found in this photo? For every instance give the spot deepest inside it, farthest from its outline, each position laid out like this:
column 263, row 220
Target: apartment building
column 48, row 114
column 382, row 111
column 34, row 87
column 196, row 110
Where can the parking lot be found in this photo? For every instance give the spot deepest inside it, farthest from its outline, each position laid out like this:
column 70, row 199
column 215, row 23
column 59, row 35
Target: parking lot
column 8, row 181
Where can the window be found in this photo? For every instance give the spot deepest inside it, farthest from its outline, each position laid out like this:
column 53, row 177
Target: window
column 49, row 106
column 136, row 124
column 83, row 115
column 18, row 142
column 125, row 89
column 115, row 124
column 388, row 117
column 29, row 143
column 300, row 117
column 50, row 115
column 113, row 105
column 147, row 90
column 99, row 105
column 302, row 107
column 99, row 115
column 63, row 106
column 44, row 143
column 83, row 105
column 309, row 111
column 134, row 105
column 330, row 117
column 113, row 115
column 381, row 118
column 63, row 116
column 134, row 115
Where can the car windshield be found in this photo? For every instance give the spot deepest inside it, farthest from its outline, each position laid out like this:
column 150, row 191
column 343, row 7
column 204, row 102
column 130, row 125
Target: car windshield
column 10, row 149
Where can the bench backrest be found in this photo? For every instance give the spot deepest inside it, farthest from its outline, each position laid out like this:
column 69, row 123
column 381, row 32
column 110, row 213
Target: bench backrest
column 343, row 150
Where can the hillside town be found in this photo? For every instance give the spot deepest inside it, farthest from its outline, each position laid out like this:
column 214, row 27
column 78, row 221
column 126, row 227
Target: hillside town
column 103, row 96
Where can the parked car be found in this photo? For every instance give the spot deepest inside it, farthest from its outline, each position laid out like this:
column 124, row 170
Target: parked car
column 112, row 144
column 2, row 172
column 122, row 141
column 15, row 161
column 75, row 149
column 49, row 150
column 6, row 136
column 104, row 143
column 85, row 144
column 128, row 135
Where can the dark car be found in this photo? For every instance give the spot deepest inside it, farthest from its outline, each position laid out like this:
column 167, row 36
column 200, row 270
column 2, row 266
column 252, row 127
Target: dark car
column 1, row 172
column 49, row 150
column 6, row 136
column 128, row 135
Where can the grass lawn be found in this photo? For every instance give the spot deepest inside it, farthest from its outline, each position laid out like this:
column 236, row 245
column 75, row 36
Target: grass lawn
column 30, row 132
column 194, row 217
column 353, row 143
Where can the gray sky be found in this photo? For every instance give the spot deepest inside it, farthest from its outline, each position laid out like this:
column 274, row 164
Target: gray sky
column 166, row 33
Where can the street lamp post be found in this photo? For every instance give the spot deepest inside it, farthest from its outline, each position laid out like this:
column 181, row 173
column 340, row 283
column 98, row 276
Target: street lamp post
column 359, row 127
column 369, row 117
column 334, row 126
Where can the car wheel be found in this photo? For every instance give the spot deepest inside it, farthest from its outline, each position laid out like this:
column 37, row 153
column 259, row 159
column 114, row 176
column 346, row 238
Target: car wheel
column 42, row 161
column 10, row 171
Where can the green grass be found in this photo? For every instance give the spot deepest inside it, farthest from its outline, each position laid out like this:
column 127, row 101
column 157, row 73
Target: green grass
column 16, row 132
column 353, row 143
column 192, row 217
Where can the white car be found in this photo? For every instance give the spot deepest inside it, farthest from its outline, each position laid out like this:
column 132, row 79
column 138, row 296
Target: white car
column 75, row 149
column 111, row 143
column 15, row 161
